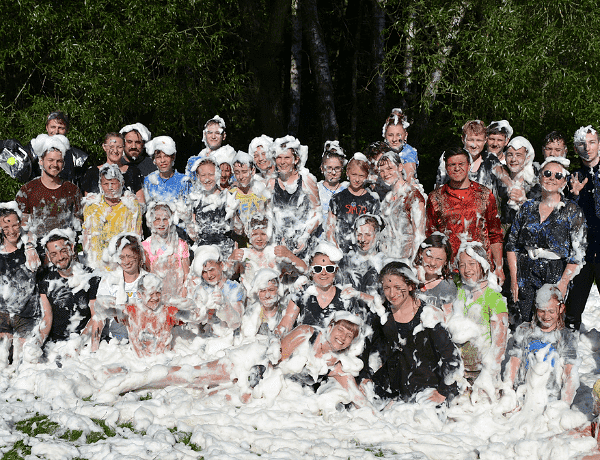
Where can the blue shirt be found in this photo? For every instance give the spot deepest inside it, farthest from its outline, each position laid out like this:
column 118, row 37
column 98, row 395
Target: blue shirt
column 158, row 189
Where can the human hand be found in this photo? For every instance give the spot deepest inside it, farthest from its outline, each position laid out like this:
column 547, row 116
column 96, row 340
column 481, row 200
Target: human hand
column 282, row 251
column 237, row 255
column 499, row 272
column 576, row 185
column 436, row 397
column 517, row 194
column 514, row 289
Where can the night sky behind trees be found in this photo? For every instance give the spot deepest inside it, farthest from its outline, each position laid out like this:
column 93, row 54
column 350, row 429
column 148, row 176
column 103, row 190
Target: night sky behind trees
column 318, row 70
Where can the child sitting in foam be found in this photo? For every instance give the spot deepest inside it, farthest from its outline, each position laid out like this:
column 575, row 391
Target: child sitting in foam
column 210, row 288
column 149, row 321
column 544, row 351
column 262, row 254
column 265, row 309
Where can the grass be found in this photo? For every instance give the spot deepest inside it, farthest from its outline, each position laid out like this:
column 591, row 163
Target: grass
column 42, row 425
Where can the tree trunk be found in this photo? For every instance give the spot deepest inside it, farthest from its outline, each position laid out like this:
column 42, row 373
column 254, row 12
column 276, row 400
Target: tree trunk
column 431, row 90
column 408, row 62
column 379, row 55
column 320, row 64
column 267, row 63
column 295, row 88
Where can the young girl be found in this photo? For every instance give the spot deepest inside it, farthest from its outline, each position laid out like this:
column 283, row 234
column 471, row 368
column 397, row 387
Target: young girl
column 432, row 264
column 263, row 254
column 347, row 205
column 168, row 255
column 332, row 166
column 403, row 210
column 479, row 320
column 295, row 196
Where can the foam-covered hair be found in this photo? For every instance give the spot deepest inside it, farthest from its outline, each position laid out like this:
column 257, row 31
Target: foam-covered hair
column 560, row 160
column 225, row 154
column 262, row 278
column 392, row 156
column 163, row 143
column 581, row 133
column 149, row 282
column 140, row 128
column 395, row 267
column 362, row 220
column 330, row 250
column 243, row 158
column 282, row 144
column 396, row 117
column 11, row 206
column 43, row 143
column 502, row 126
column 333, row 147
column 204, row 254
column 263, row 141
column 64, row 233
column 109, row 171
column 203, row 160
column 519, row 142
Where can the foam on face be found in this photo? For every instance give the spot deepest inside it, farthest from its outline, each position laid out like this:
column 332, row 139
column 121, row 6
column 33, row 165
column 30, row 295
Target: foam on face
column 581, row 133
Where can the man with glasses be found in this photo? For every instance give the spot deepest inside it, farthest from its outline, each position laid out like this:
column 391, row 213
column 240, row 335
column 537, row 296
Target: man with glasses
column 585, row 188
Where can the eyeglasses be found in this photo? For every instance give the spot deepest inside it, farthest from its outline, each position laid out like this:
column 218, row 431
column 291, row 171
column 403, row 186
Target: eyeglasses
column 558, row 176
column 330, row 169
column 328, row 268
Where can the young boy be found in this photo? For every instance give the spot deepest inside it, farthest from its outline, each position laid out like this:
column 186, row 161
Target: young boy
column 263, row 254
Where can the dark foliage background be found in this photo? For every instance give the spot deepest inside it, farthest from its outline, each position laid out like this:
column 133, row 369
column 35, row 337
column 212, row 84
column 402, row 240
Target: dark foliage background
column 172, row 65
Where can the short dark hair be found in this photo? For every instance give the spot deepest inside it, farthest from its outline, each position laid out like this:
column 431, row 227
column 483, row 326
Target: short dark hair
column 554, row 136
column 60, row 116
column 57, row 237
column 454, row 151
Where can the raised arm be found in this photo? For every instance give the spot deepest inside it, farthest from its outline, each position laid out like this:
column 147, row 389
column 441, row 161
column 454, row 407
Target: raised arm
column 288, row 320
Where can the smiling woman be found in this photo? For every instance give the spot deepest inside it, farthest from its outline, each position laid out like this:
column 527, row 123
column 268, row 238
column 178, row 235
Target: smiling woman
column 317, row 301
column 413, row 344
column 547, row 241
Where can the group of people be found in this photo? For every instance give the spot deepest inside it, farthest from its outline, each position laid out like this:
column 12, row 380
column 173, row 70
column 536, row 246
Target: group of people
column 371, row 283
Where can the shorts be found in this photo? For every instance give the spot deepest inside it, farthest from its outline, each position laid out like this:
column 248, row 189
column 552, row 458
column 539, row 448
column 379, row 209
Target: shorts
column 16, row 325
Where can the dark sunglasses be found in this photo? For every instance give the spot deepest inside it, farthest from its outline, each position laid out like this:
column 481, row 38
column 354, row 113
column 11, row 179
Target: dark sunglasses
column 558, row 176
column 328, row 268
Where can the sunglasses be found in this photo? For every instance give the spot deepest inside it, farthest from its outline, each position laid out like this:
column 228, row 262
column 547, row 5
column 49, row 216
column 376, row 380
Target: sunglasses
column 558, row 176
column 328, row 268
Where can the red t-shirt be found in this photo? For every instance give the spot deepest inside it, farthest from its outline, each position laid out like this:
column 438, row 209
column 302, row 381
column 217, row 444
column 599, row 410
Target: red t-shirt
column 49, row 209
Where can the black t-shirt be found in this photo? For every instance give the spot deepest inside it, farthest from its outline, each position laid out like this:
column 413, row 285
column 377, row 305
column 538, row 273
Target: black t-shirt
column 134, row 181
column 70, row 310
column 311, row 312
column 18, row 290
column 347, row 208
